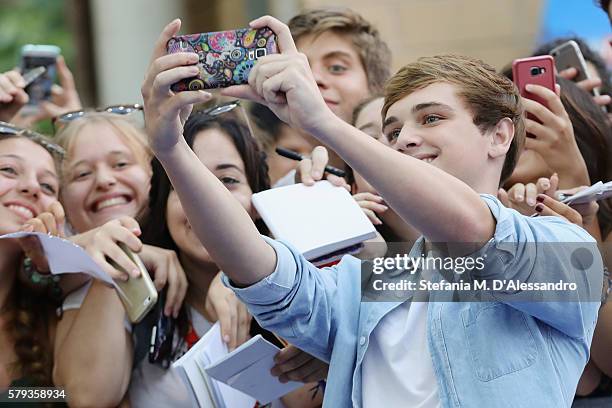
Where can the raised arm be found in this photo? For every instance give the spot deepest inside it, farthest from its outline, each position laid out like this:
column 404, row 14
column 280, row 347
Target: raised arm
column 418, row 192
column 219, row 221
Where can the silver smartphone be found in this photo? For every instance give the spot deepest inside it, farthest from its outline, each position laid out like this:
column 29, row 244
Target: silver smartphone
column 568, row 55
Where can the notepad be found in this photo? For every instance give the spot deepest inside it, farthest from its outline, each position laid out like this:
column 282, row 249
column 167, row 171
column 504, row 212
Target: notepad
column 317, row 220
column 206, row 391
column 247, row 369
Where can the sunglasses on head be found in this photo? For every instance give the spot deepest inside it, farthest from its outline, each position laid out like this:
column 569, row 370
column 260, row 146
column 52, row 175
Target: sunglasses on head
column 123, row 109
column 226, row 107
column 11, row 130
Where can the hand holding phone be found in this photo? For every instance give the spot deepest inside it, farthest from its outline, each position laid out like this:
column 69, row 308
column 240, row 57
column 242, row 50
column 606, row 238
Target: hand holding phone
column 534, row 70
column 138, row 294
column 32, row 57
column 549, row 129
column 226, row 57
column 570, row 64
column 12, row 95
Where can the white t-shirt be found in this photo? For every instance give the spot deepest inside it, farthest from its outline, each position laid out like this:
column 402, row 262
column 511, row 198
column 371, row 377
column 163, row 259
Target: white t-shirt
column 397, row 370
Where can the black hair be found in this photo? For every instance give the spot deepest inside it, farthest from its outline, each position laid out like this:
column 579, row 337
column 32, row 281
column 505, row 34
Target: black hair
column 256, row 170
column 155, row 229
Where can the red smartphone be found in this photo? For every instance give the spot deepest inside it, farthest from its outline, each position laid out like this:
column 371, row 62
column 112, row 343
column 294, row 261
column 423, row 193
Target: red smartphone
column 538, row 70
column 226, row 57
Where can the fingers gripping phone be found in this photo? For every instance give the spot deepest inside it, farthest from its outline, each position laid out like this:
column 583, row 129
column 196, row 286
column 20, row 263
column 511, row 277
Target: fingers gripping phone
column 138, row 295
column 226, row 57
column 568, row 55
column 35, row 56
column 534, row 70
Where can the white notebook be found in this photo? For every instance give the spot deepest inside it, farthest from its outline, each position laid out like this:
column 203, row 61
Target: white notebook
column 317, row 220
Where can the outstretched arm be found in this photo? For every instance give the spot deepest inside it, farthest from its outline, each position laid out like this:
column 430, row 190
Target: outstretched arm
column 417, row 191
column 219, row 221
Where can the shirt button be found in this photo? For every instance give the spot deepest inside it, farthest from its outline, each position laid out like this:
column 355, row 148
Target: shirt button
column 362, row 340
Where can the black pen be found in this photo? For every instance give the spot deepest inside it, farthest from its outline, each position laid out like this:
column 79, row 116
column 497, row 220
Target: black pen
column 290, row 154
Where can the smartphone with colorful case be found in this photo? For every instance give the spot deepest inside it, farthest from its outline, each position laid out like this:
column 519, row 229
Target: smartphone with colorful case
column 226, row 57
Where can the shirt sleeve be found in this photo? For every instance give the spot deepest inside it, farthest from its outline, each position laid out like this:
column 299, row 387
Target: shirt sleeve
column 533, row 251
column 298, row 301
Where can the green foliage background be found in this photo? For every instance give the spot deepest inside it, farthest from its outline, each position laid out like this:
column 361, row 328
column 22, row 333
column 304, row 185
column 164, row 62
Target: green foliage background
column 33, row 22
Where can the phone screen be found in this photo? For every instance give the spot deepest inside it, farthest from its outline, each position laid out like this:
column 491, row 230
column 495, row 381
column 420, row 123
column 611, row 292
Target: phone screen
column 40, row 89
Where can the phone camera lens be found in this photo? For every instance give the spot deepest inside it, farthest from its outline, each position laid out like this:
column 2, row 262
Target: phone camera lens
column 534, row 71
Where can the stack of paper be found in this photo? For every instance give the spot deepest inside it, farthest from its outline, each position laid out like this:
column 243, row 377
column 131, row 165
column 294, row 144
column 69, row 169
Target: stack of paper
column 598, row 191
column 317, row 220
column 206, row 392
column 248, row 369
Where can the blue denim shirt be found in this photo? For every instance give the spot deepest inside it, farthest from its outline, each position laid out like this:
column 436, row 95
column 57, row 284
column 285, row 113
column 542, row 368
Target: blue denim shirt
column 497, row 353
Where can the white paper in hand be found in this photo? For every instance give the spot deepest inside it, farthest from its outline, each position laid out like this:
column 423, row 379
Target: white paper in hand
column 596, row 192
column 64, row 256
column 248, row 369
column 317, row 220
column 206, row 391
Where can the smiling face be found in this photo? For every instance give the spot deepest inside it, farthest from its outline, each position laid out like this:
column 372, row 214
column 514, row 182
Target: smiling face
column 28, row 182
column 218, row 153
column 338, row 70
column 103, row 180
column 433, row 124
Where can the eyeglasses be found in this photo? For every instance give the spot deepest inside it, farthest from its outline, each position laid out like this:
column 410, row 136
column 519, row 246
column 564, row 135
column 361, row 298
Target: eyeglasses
column 227, row 107
column 55, row 150
column 124, row 109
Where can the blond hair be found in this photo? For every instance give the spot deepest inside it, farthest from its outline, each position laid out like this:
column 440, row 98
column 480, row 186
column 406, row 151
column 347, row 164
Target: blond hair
column 133, row 136
column 490, row 96
column 373, row 51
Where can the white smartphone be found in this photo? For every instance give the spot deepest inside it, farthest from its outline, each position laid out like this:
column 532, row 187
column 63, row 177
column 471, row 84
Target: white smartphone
column 32, row 57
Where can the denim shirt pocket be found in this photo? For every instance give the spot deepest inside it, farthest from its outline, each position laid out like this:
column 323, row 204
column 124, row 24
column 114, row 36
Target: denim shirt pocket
column 499, row 340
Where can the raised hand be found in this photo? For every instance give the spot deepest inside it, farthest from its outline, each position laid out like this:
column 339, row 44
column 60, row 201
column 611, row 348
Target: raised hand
column 312, row 169
column 223, row 306
column 165, row 268
column 12, row 95
column 285, row 83
column 49, row 222
column 588, row 85
column 293, row 364
column 165, row 111
column 523, row 197
column 554, row 137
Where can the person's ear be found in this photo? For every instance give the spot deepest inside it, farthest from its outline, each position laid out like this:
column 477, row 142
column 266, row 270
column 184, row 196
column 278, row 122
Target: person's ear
column 501, row 138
